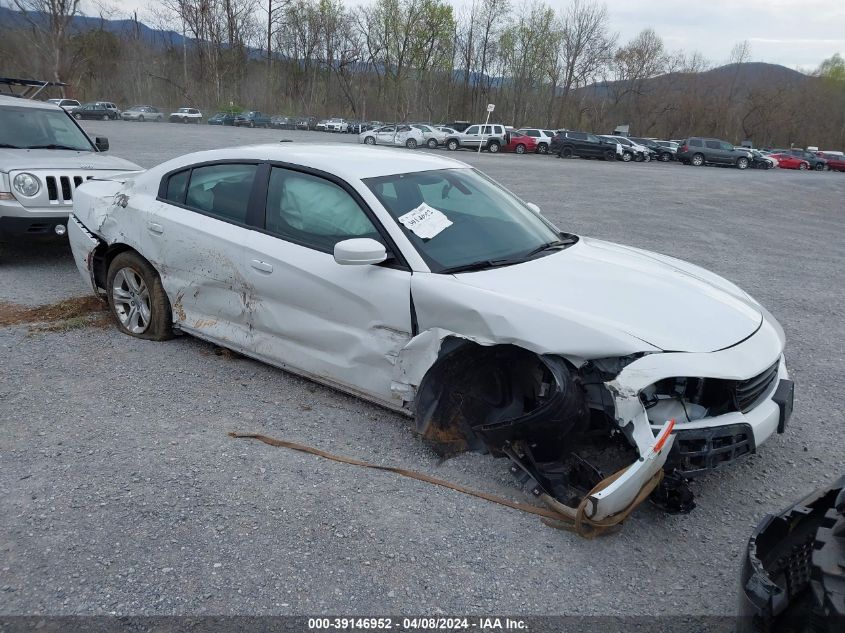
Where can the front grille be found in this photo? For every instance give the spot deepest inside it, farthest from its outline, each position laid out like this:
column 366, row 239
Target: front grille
column 60, row 188
column 749, row 393
column 696, row 451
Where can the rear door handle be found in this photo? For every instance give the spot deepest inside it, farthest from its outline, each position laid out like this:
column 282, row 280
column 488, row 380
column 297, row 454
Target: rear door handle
column 153, row 227
column 264, row 267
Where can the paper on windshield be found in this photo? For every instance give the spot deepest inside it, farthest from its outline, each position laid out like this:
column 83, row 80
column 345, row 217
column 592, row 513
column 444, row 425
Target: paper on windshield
column 425, row 221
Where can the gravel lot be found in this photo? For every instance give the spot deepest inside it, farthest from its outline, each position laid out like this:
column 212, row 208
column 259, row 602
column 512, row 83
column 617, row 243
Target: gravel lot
column 121, row 492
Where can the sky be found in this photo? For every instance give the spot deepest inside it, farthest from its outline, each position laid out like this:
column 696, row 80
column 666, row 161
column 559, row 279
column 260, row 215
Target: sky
column 795, row 33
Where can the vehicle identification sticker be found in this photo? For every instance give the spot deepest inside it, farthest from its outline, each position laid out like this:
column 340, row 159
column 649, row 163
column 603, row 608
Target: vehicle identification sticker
column 425, row 221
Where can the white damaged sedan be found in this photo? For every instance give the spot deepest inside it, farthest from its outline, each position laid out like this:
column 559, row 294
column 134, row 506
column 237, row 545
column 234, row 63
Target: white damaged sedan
column 419, row 283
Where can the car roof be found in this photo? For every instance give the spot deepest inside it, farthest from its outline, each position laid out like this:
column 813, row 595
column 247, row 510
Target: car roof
column 20, row 102
column 345, row 160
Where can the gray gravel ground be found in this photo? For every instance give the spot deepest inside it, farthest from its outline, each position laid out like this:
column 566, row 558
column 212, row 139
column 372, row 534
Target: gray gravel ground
column 121, row 492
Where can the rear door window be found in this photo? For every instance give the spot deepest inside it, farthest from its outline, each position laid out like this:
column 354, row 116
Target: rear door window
column 221, row 191
column 713, row 144
column 695, row 142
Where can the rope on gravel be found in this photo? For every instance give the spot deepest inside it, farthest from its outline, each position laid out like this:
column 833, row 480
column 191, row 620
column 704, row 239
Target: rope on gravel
column 556, row 515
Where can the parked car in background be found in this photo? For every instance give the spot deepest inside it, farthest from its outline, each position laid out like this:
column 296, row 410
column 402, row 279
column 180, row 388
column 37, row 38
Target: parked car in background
column 816, row 162
column 788, row 161
column 458, row 126
column 672, row 146
column 306, row 122
column 520, row 143
column 94, row 111
column 142, row 113
column 699, row 151
column 111, row 106
column 792, row 573
column 282, row 122
column 759, row 160
column 45, row 156
column 543, row 138
column 573, row 143
column 401, row 134
column 222, row 118
column 658, row 152
column 337, row 125
column 490, row 137
column 320, row 126
column 626, row 150
column 186, row 115
column 65, row 104
column 253, row 118
column 835, row 162
column 432, row 136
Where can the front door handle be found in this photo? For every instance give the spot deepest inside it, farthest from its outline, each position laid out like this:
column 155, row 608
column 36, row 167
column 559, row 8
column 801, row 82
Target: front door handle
column 264, row 267
column 153, row 227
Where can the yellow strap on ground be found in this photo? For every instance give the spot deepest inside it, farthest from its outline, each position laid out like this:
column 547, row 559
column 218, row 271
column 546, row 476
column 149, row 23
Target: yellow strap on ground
column 557, row 515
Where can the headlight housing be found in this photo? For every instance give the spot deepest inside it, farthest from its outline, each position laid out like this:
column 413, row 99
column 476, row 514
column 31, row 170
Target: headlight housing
column 26, row 185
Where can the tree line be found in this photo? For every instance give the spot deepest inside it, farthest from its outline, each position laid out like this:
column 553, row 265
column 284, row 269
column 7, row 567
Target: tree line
column 400, row 60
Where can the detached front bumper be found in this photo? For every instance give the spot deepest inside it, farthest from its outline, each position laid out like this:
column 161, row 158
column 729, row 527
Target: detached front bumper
column 709, row 442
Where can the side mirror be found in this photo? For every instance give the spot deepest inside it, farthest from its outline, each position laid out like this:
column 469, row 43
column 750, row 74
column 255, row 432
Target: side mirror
column 359, row 251
column 101, row 143
column 534, row 208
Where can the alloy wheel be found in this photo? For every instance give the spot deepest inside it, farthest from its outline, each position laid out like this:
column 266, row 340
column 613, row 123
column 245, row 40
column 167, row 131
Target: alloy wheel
column 131, row 300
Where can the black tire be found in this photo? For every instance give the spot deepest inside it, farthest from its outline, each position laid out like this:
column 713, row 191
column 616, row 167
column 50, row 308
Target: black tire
column 411, row 143
column 184, row 119
column 106, row 117
column 697, row 160
column 543, row 148
column 665, row 157
column 566, row 152
column 818, row 167
column 627, row 156
column 610, row 155
column 803, row 166
column 432, row 143
column 493, row 147
column 742, row 162
column 160, row 325
column 370, row 140
column 520, row 149
column 141, row 118
column 78, row 117
column 452, row 145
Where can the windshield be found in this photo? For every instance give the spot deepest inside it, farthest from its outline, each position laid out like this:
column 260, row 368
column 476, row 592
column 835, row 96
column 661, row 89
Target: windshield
column 459, row 217
column 31, row 128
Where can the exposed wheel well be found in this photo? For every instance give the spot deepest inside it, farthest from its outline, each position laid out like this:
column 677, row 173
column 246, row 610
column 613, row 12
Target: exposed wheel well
column 481, row 397
column 102, row 259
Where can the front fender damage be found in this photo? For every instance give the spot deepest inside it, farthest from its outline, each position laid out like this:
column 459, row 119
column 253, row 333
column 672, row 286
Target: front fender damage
column 541, row 411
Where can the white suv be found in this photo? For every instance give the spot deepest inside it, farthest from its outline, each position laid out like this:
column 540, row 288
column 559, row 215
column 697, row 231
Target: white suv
column 490, row 137
column 44, row 157
column 337, row 125
column 186, row 115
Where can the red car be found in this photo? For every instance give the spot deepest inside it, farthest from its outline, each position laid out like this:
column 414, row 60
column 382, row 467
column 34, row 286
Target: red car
column 520, row 144
column 836, row 162
column 786, row 161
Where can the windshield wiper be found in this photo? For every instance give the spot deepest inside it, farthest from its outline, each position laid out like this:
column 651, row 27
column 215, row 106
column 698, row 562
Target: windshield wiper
column 10, row 146
column 481, row 265
column 54, row 146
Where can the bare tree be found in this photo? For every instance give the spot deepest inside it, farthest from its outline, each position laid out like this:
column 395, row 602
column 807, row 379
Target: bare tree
column 50, row 21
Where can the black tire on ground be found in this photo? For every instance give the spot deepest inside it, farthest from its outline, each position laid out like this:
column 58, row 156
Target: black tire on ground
column 106, row 117
column 452, row 145
column 493, row 147
column 665, row 157
column 141, row 118
column 370, row 140
column 543, row 148
column 184, row 119
column 742, row 162
column 432, row 143
column 160, row 327
column 627, row 156
column 566, row 152
column 803, row 166
column 411, row 143
column 78, row 117
column 610, row 155
column 819, row 167
column 698, row 160
column 520, row 149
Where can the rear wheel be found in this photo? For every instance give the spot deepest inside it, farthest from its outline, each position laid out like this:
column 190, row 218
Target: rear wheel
column 819, row 167
column 803, row 166
column 432, row 143
column 105, row 117
column 742, row 162
column 452, row 145
column 610, row 155
column 493, row 147
column 566, row 152
column 698, row 160
column 141, row 118
column 520, row 149
column 411, row 144
column 137, row 298
column 184, row 119
column 665, row 157
column 78, row 117
column 543, row 148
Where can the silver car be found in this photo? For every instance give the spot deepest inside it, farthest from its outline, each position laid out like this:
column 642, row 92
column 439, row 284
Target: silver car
column 44, row 157
column 142, row 113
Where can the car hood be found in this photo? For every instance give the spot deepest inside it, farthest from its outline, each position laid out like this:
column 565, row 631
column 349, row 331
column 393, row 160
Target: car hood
column 670, row 304
column 61, row 159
